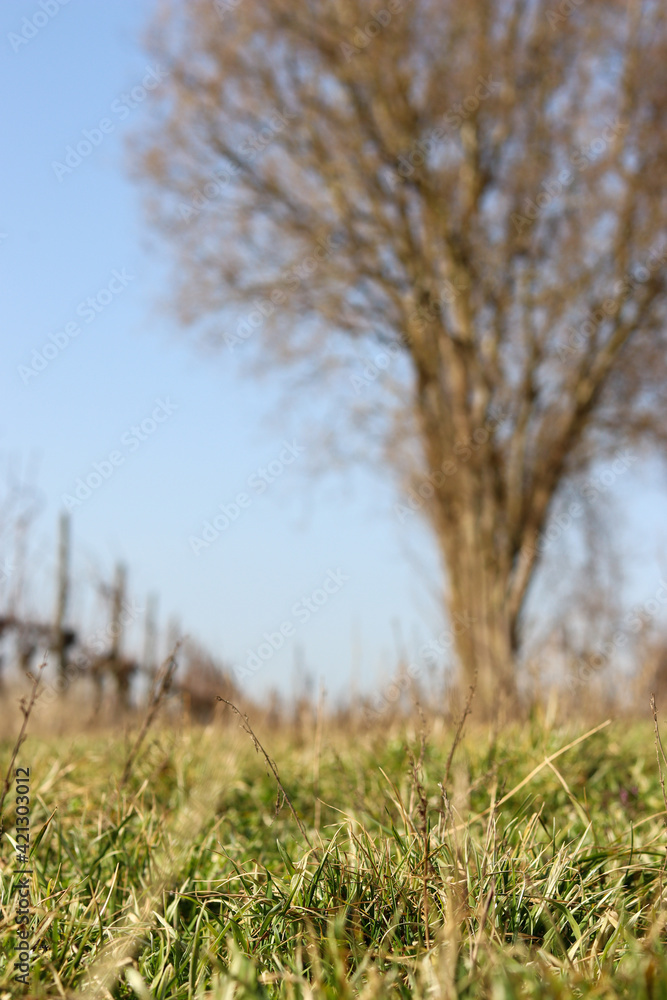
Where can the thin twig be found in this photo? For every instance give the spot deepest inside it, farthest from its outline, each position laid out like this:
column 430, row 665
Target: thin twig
column 659, row 749
column 459, row 730
column 160, row 692
column 316, row 762
column 26, row 709
column 416, row 767
column 272, row 764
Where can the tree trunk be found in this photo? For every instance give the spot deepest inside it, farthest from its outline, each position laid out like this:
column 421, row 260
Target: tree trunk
column 470, row 520
column 485, row 633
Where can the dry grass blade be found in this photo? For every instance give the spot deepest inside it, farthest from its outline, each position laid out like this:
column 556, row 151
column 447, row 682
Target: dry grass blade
column 272, row 764
column 536, row 770
column 418, row 785
column 482, row 922
column 459, row 730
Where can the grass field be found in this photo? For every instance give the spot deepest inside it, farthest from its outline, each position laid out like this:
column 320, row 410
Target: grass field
column 195, row 878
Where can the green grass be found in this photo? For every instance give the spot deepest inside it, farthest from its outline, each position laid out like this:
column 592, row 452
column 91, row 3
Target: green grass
column 193, row 880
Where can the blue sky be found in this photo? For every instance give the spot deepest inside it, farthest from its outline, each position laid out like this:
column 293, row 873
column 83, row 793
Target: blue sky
column 67, row 237
column 65, row 234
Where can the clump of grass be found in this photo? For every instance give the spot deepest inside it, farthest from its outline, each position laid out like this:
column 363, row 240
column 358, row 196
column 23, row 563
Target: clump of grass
column 537, row 880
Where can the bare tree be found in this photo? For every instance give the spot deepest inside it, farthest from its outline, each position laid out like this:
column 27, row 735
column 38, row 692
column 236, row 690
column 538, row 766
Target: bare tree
column 475, row 192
